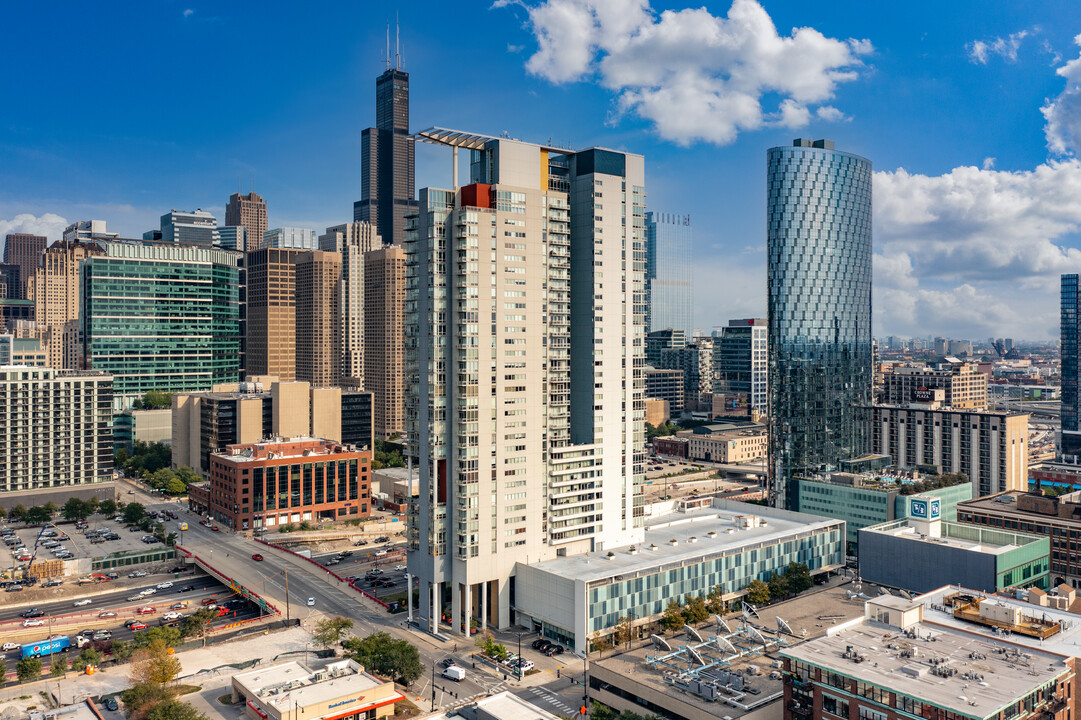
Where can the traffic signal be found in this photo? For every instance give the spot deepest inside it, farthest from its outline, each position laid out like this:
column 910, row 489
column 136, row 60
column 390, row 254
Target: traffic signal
column 582, row 710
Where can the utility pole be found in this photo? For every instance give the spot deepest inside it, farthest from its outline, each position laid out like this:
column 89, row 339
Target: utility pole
column 287, row 595
column 433, row 685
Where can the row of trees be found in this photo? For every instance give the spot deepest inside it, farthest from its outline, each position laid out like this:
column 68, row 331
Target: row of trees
column 153, row 400
column 380, row 653
column 795, row 579
column 387, row 454
column 145, row 459
column 153, row 694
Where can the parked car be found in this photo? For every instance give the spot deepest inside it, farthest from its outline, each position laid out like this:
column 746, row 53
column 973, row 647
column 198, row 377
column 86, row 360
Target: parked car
column 383, row 539
column 112, row 575
column 554, row 650
column 13, row 588
column 137, row 573
column 52, row 583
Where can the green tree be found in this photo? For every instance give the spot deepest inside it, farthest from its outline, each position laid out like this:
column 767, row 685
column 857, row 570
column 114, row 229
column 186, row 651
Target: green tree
column 694, row 610
column 88, row 656
column 672, row 619
column 107, row 508
column 330, row 631
column 798, row 577
column 715, row 600
column 153, row 400
column 196, row 624
column 161, row 477
column 601, row 644
column 174, row 710
column 154, row 664
column 122, row 650
column 168, row 634
column 75, row 509
column 757, row 592
column 29, row 668
column 187, row 475
column 59, row 667
column 170, row 539
column 384, row 655
column 778, row 586
column 18, row 513
column 134, row 513
column 175, row 486
column 140, row 699
column 624, row 630
column 37, row 515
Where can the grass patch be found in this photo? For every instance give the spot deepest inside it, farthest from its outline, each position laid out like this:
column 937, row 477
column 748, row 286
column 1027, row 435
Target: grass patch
column 185, row 689
column 226, row 699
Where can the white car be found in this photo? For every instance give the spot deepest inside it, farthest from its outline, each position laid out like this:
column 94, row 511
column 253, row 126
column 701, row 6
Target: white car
column 80, row 603
column 171, row 616
column 399, row 567
column 10, row 646
column 164, row 585
column 311, row 601
column 148, row 591
column 33, row 622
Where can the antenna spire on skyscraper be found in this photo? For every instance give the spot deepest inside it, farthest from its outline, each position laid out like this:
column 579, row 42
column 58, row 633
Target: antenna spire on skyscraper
column 397, row 43
column 387, row 59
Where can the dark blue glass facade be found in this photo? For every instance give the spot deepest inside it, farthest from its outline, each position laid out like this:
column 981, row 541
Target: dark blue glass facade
column 819, row 286
column 1071, row 438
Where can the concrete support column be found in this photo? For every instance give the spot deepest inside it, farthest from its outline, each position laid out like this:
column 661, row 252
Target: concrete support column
column 503, row 594
column 483, row 606
column 454, row 165
column 455, row 606
column 409, row 595
column 468, row 604
column 434, row 615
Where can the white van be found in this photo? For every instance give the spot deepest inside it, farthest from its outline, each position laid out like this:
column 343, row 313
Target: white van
column 454, row 673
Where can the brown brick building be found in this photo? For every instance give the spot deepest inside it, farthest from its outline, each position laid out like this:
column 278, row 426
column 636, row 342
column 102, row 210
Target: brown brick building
column 271, row 308
column 24, row 250
column 249, row 212
column 273, row 483
column 318, row 318
column 384, row 352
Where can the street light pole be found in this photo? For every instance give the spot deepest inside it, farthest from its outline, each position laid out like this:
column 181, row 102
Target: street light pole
column 286, row 596
column 433, row 685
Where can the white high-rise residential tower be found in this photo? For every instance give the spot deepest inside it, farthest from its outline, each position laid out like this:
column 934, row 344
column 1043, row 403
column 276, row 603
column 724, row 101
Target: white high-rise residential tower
column 524, row 352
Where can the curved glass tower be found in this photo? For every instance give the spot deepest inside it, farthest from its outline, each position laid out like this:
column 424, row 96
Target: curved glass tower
column 820, row 363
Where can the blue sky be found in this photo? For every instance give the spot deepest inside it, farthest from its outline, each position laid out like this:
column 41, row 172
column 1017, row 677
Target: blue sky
column 970, row 112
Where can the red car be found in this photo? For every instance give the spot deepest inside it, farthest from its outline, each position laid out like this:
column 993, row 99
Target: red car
column 215, row 528
column 207, row 601
column 256, row 556
column 139, row 626
column 147, row 610
column 223, row 611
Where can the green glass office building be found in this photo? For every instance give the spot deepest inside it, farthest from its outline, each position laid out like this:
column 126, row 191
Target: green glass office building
column 161, row 316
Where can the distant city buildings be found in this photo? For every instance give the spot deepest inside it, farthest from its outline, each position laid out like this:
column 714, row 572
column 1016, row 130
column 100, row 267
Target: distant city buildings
column 56, row 436
column 819, row 295
column 161, row 316
column 669, row 263
column 292, row 238
column 387, row 184
column 696, row 362
column 23, row 250
column 271, row 312
column 963, row 384
column 248, row 212
column 351, row 241
column 318, row 318
column 384, row 337
column 666, row 384
column 55, row 289
column 88, row 231
column 660, row 340
column 741, row 362
column 197, row 227
column 232, row 237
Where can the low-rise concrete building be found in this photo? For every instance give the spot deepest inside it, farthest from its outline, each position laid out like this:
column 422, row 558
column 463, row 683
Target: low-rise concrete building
column 725, row 544
column 291, row 691
column 149, row 426
column 666, row 384
column 731, row 443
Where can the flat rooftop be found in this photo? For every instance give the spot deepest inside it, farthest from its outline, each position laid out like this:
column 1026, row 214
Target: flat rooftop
column 1005, row 501
column 726, row 519
column 986, row 679
column 1065, row 642
column 282, row 686
column 957, row 535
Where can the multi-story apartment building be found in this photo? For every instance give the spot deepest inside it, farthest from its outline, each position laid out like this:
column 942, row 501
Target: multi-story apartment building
column 293, row 238
column 54, row 288
column 387, row 185
column 524, row 338
column 669, row 258
column 232, row 237
column 271, row 312
column 965, row 386
column 277, row 482
column 665, row 384
column 248, row 212
column 197, row 227
column 696, row 362
column 22, row 351
column 1056, row 517
column 881, row 667
column 384, row 337
column 88, row 231
column 318, row 318
column 161, row 316
column 205, row 423
column 819, row 300
column 352, row 241
column 990, row 447
column 740, row 361
column 24, row 250
column 1070, row 351
column 661, row 340
column 10, row 286
column 56, row 437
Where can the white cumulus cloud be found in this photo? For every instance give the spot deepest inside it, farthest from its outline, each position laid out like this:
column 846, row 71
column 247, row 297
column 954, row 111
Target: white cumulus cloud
column 693, row 75
column 980, row 51
column 48, row 224
column 1063, row 113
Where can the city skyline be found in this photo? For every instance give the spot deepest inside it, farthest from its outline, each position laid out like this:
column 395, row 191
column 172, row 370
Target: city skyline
column 975, row 217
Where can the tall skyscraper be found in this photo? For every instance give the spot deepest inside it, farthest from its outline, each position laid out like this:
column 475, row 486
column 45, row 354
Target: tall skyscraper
column 669, row 243
column 271, row 312
column 524, row 346
column 197, row 227
column 351, row 241
column 159, row 316
column 54, row 288
column 249, row 212
column 24, row 250
column 387, row 185
column 1071, row 367
column 319, row 336
column 819, row 296
column 741, row 360
column 384, row 337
